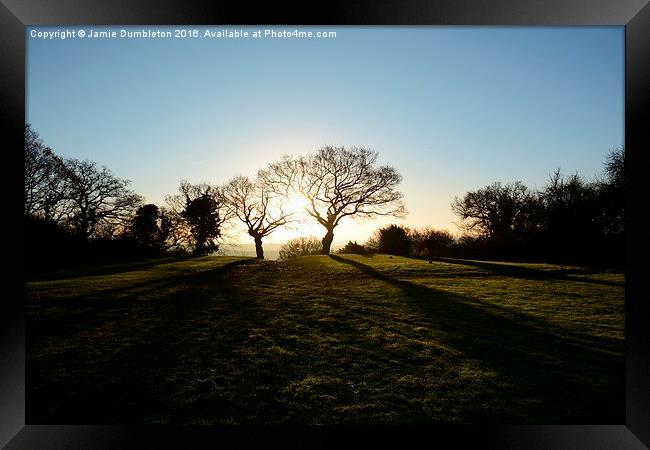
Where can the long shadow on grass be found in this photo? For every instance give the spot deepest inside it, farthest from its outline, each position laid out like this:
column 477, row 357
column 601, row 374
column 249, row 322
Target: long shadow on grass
column 529, row 273
column 152, row 350
column 105, row 269
column 55, row 315
column 572, row 382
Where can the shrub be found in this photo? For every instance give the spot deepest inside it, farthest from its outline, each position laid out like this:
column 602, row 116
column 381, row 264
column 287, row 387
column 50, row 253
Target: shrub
column 394, row 240
column 353, row 248
column 300, row 246
column 431, row 243
column 178, row 251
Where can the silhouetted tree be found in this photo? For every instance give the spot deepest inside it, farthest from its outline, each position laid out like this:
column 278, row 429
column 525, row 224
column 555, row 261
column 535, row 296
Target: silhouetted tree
column 95, row 199
column 434, row 243
column 301, row 246
column 339, row 182
column 470, row 246
column 493, row 211
column 37, row 170
column 393, row 240
column 571, row 209
column 45, row 182
column 146, row 227
column 75, row 212
column 615, row 167
column 257, row 206
column 174, row 232
column 203, row 210
column 612, row 194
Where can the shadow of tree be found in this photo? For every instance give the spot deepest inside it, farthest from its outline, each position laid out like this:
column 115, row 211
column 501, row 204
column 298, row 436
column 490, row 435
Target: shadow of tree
column 566, row 369
column 96, row 306
column 151, row 348
column 529, row 273
column 106, row 269
column 181, row 348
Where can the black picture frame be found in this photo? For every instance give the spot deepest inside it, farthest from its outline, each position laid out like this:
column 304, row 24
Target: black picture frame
column 15, row 15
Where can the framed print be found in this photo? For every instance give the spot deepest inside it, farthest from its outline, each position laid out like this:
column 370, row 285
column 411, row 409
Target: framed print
column 355, row 215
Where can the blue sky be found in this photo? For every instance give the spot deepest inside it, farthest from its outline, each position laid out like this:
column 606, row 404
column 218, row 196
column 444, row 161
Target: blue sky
column 451, row 108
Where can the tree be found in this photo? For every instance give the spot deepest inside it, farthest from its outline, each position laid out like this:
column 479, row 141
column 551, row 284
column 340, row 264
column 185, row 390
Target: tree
column 173, row 230
column 73, row 193
column 570, row 204
column 615, row 167
column 203, row 210
column 493, row 211
column 434, row 242
column 337, row 183
column 146, row 227
column 37, row 171
column 393, row 240
column 571, row 210
column 612, row 193
column 301, row 246
column 257, row 206
column 96, row 198
column 45, row 182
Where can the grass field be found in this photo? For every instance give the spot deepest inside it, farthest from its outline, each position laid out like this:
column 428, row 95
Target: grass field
column 320, row 340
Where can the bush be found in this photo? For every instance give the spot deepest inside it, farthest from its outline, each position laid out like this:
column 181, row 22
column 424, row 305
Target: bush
column 353, row 248
column 300, row 246
column 178, row 251
column 431, row 243
column 394, row 240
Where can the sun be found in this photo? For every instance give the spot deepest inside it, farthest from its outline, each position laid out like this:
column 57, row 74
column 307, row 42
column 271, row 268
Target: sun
column 296, row 205
column 301, row 224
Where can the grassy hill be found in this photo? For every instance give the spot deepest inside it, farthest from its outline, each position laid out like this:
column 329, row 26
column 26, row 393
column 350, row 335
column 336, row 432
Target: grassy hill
column 338, row 339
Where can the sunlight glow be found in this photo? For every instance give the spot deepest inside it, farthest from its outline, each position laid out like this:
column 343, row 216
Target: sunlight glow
column 296, row 204
column 302, row 224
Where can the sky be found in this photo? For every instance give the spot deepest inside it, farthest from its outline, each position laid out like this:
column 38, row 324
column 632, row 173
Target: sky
column 453, row 109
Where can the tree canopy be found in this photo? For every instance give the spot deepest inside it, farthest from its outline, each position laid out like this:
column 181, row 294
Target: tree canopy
column 337, row 183
column 257, row 206
column 493, row 210
column 203, row 210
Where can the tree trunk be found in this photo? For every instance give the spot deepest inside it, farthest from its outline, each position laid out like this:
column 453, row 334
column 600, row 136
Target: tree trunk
column 258, row 248
column 327, row 242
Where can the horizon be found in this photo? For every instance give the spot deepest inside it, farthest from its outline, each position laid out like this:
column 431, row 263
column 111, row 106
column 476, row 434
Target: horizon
column 487, row 104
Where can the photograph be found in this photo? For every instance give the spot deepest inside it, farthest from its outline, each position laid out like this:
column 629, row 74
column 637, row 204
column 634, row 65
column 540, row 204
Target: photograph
column 325, row 225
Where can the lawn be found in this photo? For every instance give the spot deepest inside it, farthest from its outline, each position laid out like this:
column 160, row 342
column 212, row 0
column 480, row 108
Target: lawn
column 324, row 340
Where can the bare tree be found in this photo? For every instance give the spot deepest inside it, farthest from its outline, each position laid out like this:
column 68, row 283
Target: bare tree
column 256, row 205
column 36, row 171
column 493, row 210
column 74, row 193
column 97, row 200
column 173, row 229
column 571, row 208
column 611, row 192
column 45, row 184
column 337, row 183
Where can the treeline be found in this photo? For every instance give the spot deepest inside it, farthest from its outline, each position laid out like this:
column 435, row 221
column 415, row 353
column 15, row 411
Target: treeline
column 76, row 212
column 570, row 220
